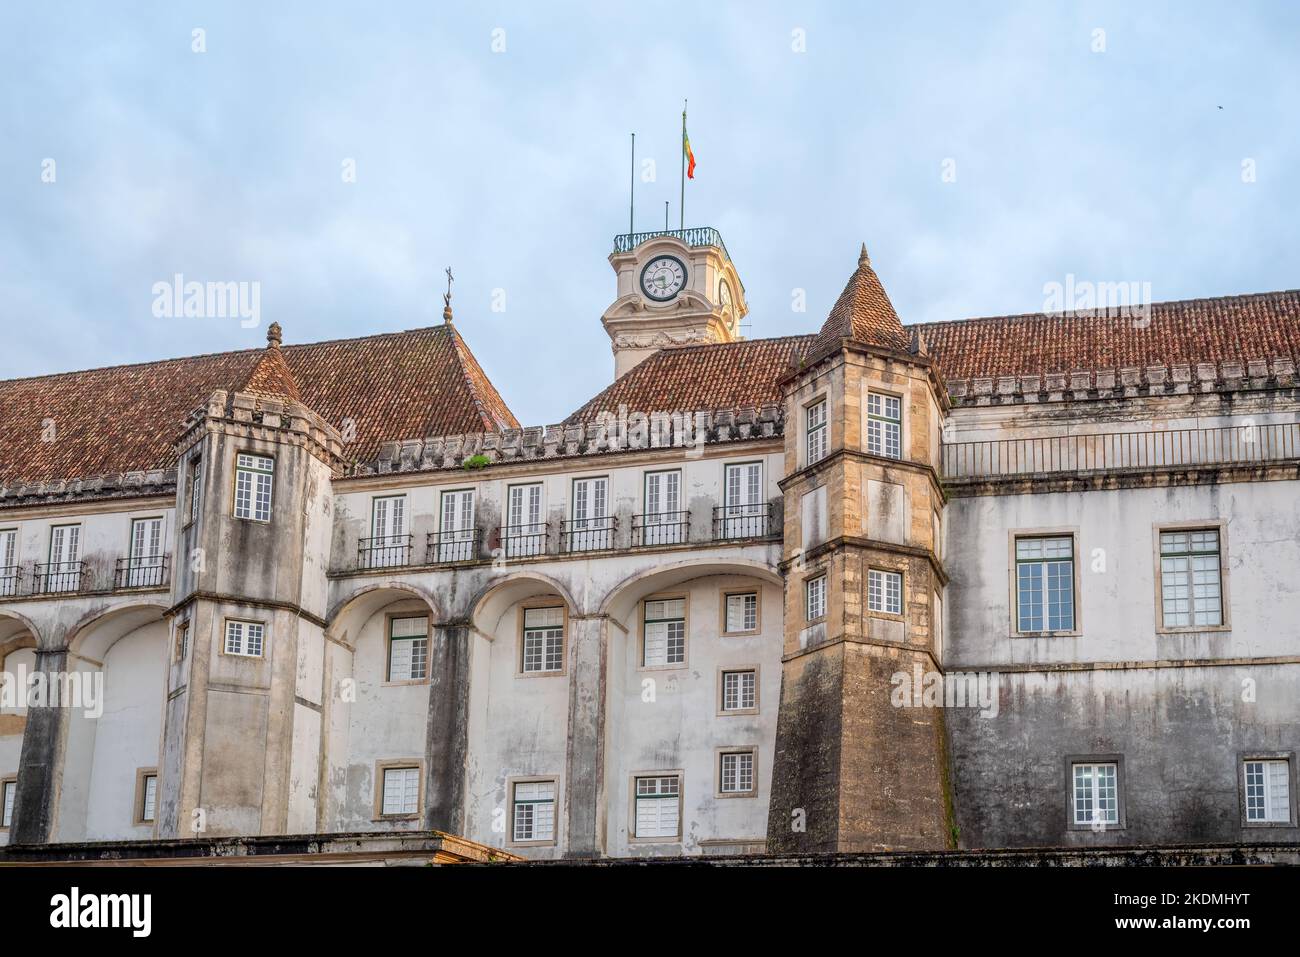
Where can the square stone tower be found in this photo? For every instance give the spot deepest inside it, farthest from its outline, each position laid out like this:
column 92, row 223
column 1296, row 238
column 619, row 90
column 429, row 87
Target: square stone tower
column 856, row 769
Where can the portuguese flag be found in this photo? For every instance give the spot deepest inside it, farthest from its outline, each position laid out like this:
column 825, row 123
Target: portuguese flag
column 686, row 149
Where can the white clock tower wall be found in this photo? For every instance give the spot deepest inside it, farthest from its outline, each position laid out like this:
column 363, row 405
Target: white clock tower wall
column 674, row 289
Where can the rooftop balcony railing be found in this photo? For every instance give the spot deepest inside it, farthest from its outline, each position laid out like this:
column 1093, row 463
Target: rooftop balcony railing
column 660, row 528
column 695, row 236
column 56, row 578
column 525, row 541
column 588, row 534
column 452, row 548
column 1113, row 451
column 386, row 551
column 736, row 522
column 149, row 571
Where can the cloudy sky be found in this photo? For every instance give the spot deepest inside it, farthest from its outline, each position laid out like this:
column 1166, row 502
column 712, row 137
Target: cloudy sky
column 1150, row 142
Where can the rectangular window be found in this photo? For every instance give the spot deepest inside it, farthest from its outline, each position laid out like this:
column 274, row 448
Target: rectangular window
column 744, row 513
column 884, row 425
column 456, row 538
column 1268, row 797
column 148, row 797
column 736, row 772
column 245, row 638
column 533, row 811
column 525, row 532
column 885, row 592
column 254, row 476
column 1096, row 794
column 389, row 544
column 815, row 598
column 658, row 806
column 145, row 563
column 590, row 527
column 817, row 437
column 64, row 570
column 182, row 640
column 664, row 640
column 742, row 613
column 739, row 690
column 664, row 522
column 1191, row 592
column 543, row 642
column 401, row 791
column 1045, row 584
column 196, row 488
column 408, row 648
column 10, row 789
column 8, row 562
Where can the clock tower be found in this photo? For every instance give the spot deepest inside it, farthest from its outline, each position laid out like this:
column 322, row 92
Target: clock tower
column 675, row 287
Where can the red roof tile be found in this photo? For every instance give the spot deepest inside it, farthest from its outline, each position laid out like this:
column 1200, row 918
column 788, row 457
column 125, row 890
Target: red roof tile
column 863, row 312
column 395, row 386
column 722, row 377
column 1236, row 328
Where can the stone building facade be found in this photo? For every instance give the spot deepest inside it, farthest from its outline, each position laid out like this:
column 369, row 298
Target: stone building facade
column 1017, row 581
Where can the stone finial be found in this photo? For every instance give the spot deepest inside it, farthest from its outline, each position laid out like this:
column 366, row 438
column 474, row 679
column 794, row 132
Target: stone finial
column 273, row 336
column 863, row 258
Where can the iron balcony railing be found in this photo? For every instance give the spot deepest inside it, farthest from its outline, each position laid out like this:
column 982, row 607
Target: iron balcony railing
column 661, row 528
column 386, row 551
column 695, row 236
column 1109, row 451
column 524, row 541
column 452, row 548
column 149, row 571
column 11, row 580
column 732, row 522
column 588, row 534
column 57, row 577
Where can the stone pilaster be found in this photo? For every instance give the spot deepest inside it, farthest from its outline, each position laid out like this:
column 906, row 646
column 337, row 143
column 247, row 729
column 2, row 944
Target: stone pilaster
column 448, row 728
column 585, row 752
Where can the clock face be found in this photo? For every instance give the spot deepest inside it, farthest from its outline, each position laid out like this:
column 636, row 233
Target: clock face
column 724, row 300
column 663, row 277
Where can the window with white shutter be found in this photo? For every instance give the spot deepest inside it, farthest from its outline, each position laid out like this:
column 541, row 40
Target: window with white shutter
column 8, row 562
column 542, row 646
column 742, row 612
column 408, row 648
column 532, row 816
column 401, row 791
column 1268, row 791
column 657, row 806
column 664, row 633
column 245, row 638
column 525, row 531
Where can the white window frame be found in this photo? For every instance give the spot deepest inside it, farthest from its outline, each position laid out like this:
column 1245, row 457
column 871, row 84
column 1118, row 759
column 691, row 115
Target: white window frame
column 817, row 435
column 1044, row 561
column 1094, row 794
column 415, row 650
column 8, row 562
column 550, row 638
column 411, row 771
column 634, row 821
column 662, row 521
column 743, row 595
column 814, row 598
column 1170, row 580
column 146, row 796
column 145, row 552
column 533, row 803
column 457, row 521
column 8, row 798
column 885, row 425
column 195, row 503
column 389, row 542
column 669, row 638
column 525, row 531
column 1261, row 795
column 740, row 672
column 63, row 573
column 745, row 764
column 743, row 506
column 254, row 486
column 884, row 591
column 247, row 634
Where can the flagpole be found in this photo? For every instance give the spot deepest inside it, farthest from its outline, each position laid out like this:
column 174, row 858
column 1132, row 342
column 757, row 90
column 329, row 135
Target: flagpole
column 681, row 205
column 631, row 193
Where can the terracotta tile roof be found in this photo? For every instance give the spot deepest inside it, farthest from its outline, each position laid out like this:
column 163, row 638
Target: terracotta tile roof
column 721, row 377
column 271, row 375
column 103, row 421
column 863, row 312
column 1236, row 328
